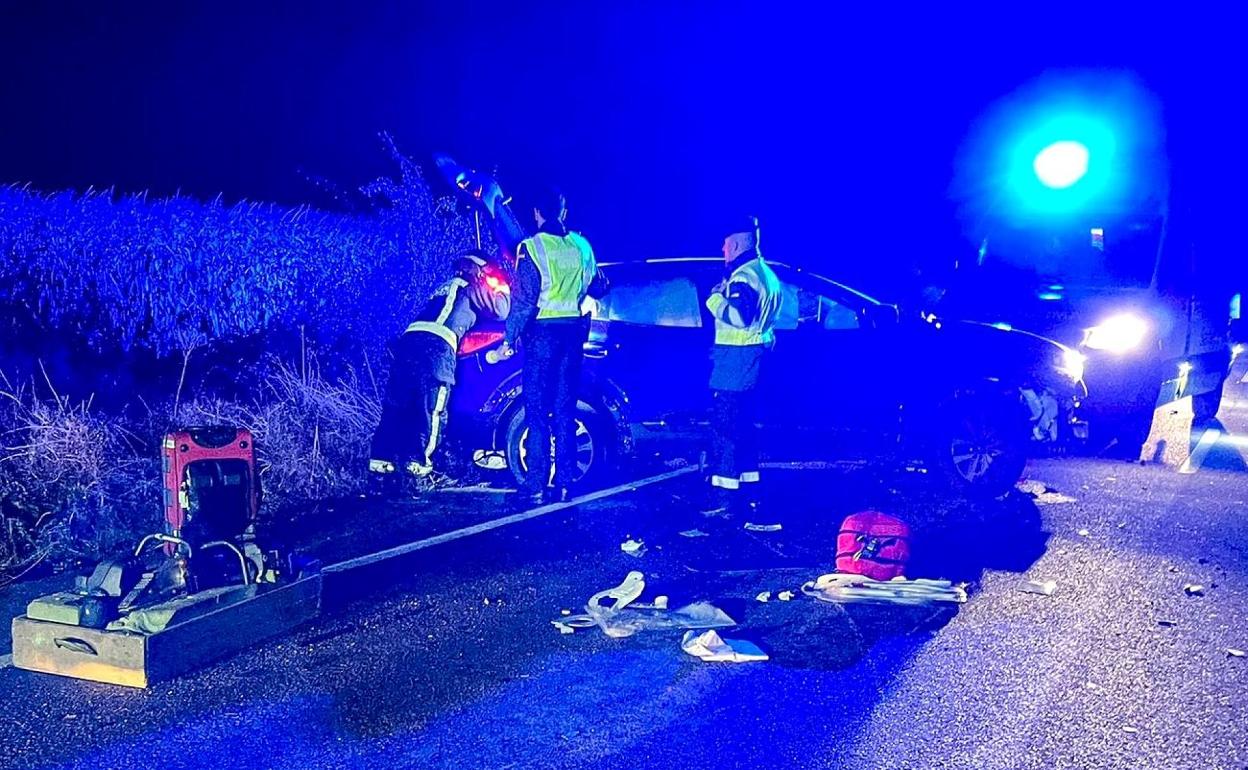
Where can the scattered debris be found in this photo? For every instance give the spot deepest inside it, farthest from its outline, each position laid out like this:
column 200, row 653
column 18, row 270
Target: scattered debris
column 1092, row 685
column 1194, row 589
column 1234, row 653
column 840, row 588
column 1033, row 488
column 564, row 628
column 763, row 527
column 1084, row 533
column 1130, row 729
column 486, row 601
column 1042, row 493
column 623, row 617
column 694, row 533
column 711, row 647
column 1167, row 623
column 1041, row 587
column 633, row 547
column 765, row 596
column 785, row 596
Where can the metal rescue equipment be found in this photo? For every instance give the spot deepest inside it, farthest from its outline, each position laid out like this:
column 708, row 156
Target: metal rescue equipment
column 201, row 589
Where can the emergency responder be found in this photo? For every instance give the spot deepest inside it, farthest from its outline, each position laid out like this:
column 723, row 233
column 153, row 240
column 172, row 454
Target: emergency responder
column 413, row 415
column 744, row 305
column 555, row 272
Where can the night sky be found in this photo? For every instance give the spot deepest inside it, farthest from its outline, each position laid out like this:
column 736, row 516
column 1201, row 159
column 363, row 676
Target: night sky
column 659, row 119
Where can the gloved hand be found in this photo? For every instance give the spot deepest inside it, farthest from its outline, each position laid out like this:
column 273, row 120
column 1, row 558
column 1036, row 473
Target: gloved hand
column 499, row 354
column 720, row 287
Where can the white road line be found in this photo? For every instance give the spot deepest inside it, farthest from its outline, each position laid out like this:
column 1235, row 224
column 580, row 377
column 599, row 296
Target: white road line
column 1203, row 446
column 5, row 661
column 476, row 529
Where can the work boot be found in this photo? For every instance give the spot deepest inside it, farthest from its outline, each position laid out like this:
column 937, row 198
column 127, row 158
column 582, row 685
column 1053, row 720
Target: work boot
column 555, row 495
column 525, row 499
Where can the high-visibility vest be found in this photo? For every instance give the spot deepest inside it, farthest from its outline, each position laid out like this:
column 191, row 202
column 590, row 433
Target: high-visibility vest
column 447, row 314
column 761, row 331
column 566, row 265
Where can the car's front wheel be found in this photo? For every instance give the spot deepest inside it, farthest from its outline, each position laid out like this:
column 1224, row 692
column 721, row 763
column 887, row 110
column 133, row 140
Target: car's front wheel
column 981, row 445
column 595, row 446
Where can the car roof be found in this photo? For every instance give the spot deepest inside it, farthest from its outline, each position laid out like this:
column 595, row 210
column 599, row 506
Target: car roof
column 719, row 260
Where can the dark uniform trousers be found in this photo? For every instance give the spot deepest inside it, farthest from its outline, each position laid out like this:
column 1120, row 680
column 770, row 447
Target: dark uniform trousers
column 413, row 412
column 553, row 356
column 734, row 455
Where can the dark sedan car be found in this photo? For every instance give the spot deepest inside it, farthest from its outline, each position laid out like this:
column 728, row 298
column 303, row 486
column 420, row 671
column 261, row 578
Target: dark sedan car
column 850, row 378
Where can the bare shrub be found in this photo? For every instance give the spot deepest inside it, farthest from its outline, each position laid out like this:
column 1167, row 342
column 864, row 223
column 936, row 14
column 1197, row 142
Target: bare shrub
column 312, row 434
column 73, row 482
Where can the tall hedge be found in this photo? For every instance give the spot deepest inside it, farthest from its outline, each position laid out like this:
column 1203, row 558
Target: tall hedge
column 124, row 272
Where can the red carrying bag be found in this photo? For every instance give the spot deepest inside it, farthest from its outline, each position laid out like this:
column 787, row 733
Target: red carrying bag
column 874, row 545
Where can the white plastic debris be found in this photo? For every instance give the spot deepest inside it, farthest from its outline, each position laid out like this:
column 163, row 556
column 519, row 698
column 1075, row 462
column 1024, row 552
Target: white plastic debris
column 693, row 533
column 1130, row 729
column 1234, row 653
column 711, row 647
column 617, row 612
column 1034, row 488
column 633, row 547
column 1194, row 589
column 844, row 588
column 785, row 596
column 1040, row 587
column 621, row 596
column 1042, row 493
column 763, row 527
column 1084, row 533
column 565, row 613
column 764, row 596
column 564, row 628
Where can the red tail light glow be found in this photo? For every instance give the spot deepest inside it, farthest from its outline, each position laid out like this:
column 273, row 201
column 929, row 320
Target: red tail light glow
column 475, row 341
column 497, row 284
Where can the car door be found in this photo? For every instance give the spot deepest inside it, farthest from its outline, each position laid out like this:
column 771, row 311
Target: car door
column 655, row 344
column 832, row 386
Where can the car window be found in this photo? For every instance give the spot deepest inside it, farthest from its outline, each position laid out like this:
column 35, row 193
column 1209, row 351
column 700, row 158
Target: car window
column 801, row 308
column 663, row 302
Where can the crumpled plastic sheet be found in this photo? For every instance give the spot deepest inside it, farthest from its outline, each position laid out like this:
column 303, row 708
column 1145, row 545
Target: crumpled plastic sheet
column 843, row 588
column 623, row 617
column 711, row 647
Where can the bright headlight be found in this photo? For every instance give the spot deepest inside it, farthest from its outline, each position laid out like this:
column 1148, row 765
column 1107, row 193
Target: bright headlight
column 1118, row 334
column 1071, row 364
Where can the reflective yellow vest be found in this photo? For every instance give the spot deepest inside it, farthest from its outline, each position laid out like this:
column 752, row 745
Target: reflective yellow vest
column 761, row 331
column 566, row 265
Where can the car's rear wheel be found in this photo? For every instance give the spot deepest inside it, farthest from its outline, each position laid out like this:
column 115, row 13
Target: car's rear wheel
column 595, row 446
column 981, row 448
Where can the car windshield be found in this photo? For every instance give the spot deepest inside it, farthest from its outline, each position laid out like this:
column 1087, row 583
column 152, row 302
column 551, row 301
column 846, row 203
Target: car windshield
column 1115, row 255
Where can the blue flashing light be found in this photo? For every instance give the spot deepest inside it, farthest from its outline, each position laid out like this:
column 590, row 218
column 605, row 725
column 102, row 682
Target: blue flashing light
column 1003, row 326
column 1061, row 164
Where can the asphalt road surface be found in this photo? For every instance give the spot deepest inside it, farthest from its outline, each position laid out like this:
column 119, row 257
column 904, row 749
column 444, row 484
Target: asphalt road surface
column 446, row 657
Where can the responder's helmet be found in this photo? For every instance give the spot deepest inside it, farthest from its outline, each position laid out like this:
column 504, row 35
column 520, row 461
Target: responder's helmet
column 470, row 264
